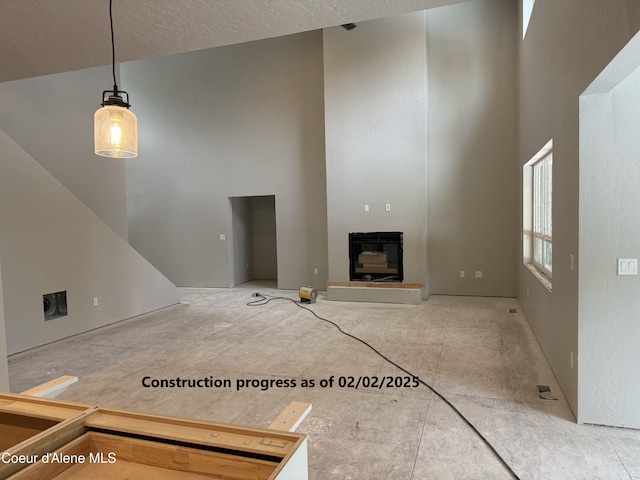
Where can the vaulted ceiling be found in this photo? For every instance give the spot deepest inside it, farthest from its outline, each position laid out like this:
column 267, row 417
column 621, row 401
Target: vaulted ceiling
column 40, row 37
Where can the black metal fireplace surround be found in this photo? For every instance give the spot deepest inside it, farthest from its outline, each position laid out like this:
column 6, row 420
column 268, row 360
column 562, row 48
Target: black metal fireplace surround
column 375, row 257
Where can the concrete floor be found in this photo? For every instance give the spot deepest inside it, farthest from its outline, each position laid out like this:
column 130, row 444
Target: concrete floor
column 484, row 359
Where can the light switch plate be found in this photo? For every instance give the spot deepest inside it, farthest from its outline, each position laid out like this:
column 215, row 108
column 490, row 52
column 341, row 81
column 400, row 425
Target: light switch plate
column 627, row 266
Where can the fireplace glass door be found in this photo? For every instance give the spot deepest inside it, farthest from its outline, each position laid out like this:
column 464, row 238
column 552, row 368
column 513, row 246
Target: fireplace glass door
column 375, row 257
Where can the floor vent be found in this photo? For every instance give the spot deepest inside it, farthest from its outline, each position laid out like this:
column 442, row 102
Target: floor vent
column 513, row 310
column 545, row 393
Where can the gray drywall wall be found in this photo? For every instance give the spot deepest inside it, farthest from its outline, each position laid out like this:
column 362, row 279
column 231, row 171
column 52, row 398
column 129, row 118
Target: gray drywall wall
column 375, row 126
column 242, row 120
column 51, row 242
column 567, row 44
column 472, row 178
column 265, row 248
column 242, row 239
column 609, row 305
column 4, row 368
column 51, row 118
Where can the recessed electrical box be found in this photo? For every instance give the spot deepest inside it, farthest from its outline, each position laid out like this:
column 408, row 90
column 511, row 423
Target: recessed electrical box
column 54, row 305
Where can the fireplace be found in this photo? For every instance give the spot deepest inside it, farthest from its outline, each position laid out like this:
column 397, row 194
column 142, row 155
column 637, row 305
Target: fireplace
column 375, row 257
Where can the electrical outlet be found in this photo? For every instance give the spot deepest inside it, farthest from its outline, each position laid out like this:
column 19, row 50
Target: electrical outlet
column 223, row 236
column 315, row 271
column 627, row 266
column 571, row 263
column 571, row 360
column 478, row 274
column 366, row 208
column 95, row 301
column 461, row 273
column 387, row 207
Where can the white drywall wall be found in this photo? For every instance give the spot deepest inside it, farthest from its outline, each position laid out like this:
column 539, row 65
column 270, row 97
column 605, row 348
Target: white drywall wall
column 609, row 305
column 472, row 179
column 450, row 200
column 567, row 44
column 49, row 242
column 375, row 126
column 242, row 120
column 242, row 239
column 51, row 118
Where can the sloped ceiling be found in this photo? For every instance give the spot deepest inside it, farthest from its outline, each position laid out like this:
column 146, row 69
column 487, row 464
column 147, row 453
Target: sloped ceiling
column 40, row 37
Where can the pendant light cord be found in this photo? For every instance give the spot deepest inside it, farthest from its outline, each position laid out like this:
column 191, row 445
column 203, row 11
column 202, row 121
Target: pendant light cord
column 113, row 49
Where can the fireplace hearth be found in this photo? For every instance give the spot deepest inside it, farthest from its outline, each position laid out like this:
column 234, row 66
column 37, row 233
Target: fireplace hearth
column 375, row 257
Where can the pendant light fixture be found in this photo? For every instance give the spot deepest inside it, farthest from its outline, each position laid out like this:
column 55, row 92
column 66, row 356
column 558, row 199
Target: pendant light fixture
column 115, row 126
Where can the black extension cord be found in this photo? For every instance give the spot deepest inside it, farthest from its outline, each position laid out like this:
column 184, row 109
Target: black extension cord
column 263, row 300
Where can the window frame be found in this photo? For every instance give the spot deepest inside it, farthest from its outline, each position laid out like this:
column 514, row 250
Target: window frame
column 542, row 214
column 537, row 214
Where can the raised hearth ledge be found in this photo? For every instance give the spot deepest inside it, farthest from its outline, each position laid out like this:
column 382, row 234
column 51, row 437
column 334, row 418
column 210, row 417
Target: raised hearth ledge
column 376, row 292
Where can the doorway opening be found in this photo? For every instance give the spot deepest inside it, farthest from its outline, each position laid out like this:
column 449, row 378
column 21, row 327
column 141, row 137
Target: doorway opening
column 254, row 253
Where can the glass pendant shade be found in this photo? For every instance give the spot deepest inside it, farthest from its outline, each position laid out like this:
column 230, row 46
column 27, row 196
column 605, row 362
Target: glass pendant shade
column 115, row 132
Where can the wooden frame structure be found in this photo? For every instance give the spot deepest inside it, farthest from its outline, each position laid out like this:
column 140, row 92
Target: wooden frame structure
column 50, row 439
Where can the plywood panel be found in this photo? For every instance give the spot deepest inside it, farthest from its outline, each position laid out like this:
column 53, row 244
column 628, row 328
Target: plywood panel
column 126, row 471
column 42, row 408
column 258, row 441
column 136, row 458
column 291, row 417
column 17, row 428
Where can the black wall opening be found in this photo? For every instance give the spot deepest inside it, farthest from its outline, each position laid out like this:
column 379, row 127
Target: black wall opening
column 54, row 305
column 375, row 257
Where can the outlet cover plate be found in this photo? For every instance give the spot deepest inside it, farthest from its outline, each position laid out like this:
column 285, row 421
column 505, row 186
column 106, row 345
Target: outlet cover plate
column 627, row 266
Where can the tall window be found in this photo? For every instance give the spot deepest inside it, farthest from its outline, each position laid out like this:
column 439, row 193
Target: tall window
column 537, row 214
column 542, row 240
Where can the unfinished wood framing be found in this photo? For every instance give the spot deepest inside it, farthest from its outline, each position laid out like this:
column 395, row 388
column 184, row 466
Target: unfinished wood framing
column 291, row 417
column 114, row 444
column 52, row 388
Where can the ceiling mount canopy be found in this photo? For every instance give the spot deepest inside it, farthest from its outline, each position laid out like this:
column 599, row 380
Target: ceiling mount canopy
column 115, row 126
